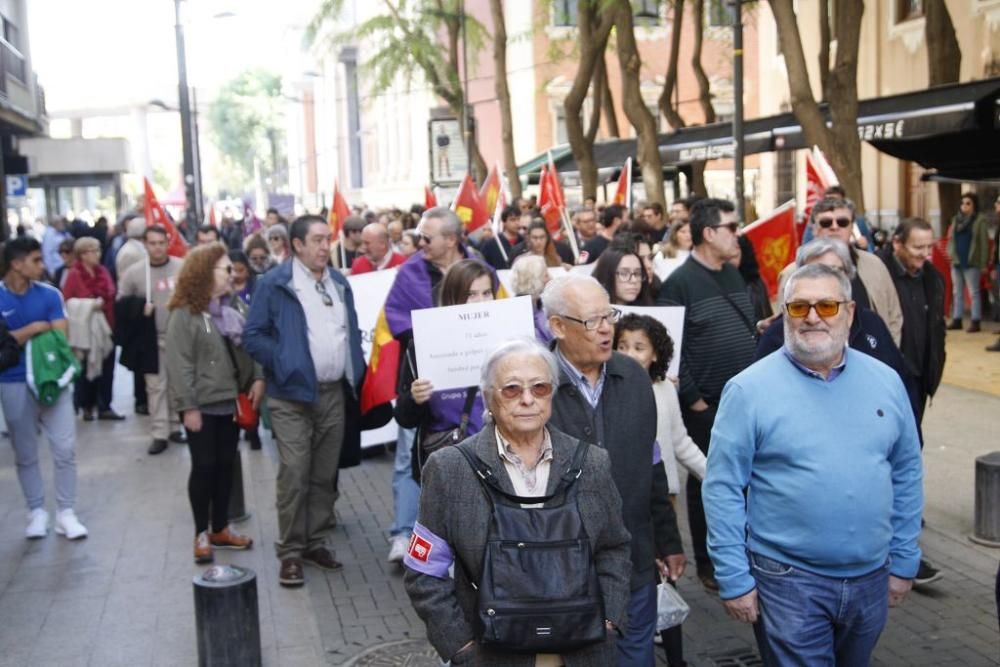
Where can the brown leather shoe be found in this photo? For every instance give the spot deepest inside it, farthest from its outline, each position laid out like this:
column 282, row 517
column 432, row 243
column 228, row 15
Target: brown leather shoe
column 290, row 574
column 203, row 549
column 321, row 558
column 974, row 327
column 227, row 539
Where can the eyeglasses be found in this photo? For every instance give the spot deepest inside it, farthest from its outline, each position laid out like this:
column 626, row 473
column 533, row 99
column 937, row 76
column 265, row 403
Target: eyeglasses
column 327, row 299
column 824, row 308
column 591, row 323
column 826, row 223
column 514, row 391
column 733, row 227
column 625, row 275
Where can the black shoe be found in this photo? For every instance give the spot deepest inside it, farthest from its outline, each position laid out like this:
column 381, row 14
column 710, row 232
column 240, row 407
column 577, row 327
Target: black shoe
column 955, row 325
column 254, row 438
column 995, row 347
column 178, row 437
column 158, row 446
column 974, row 327
column 926, row 574
column 110, row 416
column 142, row 409
column 88, row 414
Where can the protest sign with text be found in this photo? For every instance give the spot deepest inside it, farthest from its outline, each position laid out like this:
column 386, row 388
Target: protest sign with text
column 452, row 343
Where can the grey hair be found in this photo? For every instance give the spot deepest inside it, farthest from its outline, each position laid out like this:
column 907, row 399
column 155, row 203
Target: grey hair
column 814, row 271
column 450, row 223
column 277, row 231
column 554, row 294
column 528, row 274
column 821, row 246
column 135, row 227
column 529, row 346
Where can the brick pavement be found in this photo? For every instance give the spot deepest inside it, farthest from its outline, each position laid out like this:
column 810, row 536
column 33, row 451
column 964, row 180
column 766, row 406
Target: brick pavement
column 123, row 596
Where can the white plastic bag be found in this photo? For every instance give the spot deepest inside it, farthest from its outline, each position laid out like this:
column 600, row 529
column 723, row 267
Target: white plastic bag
column 671, row 609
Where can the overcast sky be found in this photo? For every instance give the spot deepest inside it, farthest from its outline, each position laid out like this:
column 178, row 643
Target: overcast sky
column 109, row 53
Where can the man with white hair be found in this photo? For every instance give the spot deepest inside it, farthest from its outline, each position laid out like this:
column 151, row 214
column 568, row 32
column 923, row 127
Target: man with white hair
column 606, row 398
column 132, row 251
column 813, row 519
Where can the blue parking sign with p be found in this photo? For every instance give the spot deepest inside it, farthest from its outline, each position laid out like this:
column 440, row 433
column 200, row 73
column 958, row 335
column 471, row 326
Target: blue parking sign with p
column 17, row 185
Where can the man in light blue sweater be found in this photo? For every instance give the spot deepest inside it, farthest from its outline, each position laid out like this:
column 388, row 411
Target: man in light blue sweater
column 823, row 442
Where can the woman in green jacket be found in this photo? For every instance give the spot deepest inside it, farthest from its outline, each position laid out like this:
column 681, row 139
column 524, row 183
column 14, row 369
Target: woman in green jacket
column 969, row 250
column 206, row 370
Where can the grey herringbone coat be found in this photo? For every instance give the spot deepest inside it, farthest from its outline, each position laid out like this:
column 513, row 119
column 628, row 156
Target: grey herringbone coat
column 454, row 508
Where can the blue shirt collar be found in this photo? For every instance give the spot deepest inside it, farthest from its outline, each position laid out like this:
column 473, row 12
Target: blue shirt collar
column 580, row 381
column 834, row 372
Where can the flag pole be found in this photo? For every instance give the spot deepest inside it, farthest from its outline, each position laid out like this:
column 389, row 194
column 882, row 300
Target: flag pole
column 497, row 213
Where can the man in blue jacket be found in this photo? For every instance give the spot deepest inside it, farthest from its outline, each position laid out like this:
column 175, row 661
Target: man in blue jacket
column 814, row 487
column 303, row 330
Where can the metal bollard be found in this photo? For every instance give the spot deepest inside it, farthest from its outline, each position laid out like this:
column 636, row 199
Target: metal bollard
column 986, row 528
column 226, row 618
column 237, row 504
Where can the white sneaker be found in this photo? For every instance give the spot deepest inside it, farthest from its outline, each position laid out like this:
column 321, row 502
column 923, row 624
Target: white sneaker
column 67, row 524
column 38, row 524
column 398, row 546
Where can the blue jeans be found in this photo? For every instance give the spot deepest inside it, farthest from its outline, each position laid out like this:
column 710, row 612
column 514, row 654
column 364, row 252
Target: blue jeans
column 635, row 647
column 965, row 278
column 808, row 619
column 405, row 491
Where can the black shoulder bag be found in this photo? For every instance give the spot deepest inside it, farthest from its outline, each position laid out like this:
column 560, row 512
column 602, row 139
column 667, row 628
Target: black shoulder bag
column 427, row 442
column 538, row 591
column 729, row 299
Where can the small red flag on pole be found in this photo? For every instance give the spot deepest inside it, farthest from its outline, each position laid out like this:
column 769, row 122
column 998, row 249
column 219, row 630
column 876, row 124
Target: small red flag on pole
column 157, row 215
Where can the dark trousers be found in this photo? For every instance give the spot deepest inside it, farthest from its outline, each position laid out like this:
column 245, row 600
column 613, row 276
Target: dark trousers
column 96, row 392
column 699, row 427
column 213, row 450
column 139, row 389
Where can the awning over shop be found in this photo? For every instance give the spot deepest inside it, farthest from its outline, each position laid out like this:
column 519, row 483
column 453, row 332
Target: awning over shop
column 952, row 129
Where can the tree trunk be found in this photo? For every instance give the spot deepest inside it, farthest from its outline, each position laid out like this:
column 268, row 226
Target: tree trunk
column 503, row 96
column 704, row 92
column 598, row 91
column 635, row 108
column 824, row 49
column 666, row 101
column 840, row 143
column 697, row 184
column 609, row 104
column 592, row 40
column 944, row 64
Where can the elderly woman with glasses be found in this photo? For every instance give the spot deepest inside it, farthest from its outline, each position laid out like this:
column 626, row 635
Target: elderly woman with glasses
column 621, row 272
column 527, row 459
column 868, row 333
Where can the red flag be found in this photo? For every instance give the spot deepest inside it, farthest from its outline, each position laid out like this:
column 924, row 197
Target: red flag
column 468, row 206
column 430, row 199
column 339, row 212
column 623, row 194
column 156, row 215
column 380, row 381
column 489, row 193
column 942, row 262
column 211, row 217
column 548, row 202
column 775, row 243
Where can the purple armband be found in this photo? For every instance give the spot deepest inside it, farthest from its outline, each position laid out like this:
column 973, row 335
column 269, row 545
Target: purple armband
column 428, row 553
column 657, row 454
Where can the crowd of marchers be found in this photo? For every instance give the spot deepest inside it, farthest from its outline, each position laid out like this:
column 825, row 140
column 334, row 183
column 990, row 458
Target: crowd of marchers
column 533, row 513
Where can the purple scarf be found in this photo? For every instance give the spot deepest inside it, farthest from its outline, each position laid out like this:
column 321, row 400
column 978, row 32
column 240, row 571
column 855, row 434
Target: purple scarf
column 226, row 319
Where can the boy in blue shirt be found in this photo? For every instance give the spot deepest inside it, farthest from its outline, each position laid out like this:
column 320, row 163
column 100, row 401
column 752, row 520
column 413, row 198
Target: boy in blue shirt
column 30, row 307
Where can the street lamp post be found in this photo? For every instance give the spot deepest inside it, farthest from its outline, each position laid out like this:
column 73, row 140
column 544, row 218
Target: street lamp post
column 738, row 152
column 193, row 213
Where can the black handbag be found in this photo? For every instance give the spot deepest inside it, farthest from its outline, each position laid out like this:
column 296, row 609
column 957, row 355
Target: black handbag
column 427, row 442
column 538, row 591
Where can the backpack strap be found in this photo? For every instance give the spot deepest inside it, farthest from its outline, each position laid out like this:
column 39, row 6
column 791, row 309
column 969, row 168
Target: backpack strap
column 492, row 486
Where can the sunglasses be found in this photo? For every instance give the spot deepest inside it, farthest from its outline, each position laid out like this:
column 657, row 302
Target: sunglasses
column 824, row 308
column 515, row 391
column 826, row 223
column 327, row 299
column 733, row 227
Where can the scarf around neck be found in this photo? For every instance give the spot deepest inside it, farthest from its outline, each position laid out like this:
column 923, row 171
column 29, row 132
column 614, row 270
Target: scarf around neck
column 227, row 319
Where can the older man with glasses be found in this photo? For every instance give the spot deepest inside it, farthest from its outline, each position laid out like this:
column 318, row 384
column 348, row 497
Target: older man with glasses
column 814, row 518
column 605, row 398
column 833, row 218
column 303, row 330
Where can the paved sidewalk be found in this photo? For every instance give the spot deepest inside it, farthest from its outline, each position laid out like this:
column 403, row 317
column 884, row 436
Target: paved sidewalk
column 124, row 597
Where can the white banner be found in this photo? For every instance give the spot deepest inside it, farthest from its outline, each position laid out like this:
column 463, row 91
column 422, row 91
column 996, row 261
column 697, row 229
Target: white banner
column 370, row 291
column 672, row 317
column 452, row 343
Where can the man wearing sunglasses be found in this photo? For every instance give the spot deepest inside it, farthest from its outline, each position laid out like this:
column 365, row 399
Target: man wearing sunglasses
column 303, row 330
column 719, row 339
column 813, row 517
column 605, row 398
column 833, row 217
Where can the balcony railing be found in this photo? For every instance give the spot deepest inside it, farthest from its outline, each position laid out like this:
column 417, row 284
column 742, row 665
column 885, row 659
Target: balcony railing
column 12, row 63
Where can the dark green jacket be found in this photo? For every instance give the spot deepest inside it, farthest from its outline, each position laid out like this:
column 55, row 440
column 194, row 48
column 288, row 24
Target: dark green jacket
column 979, row 251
